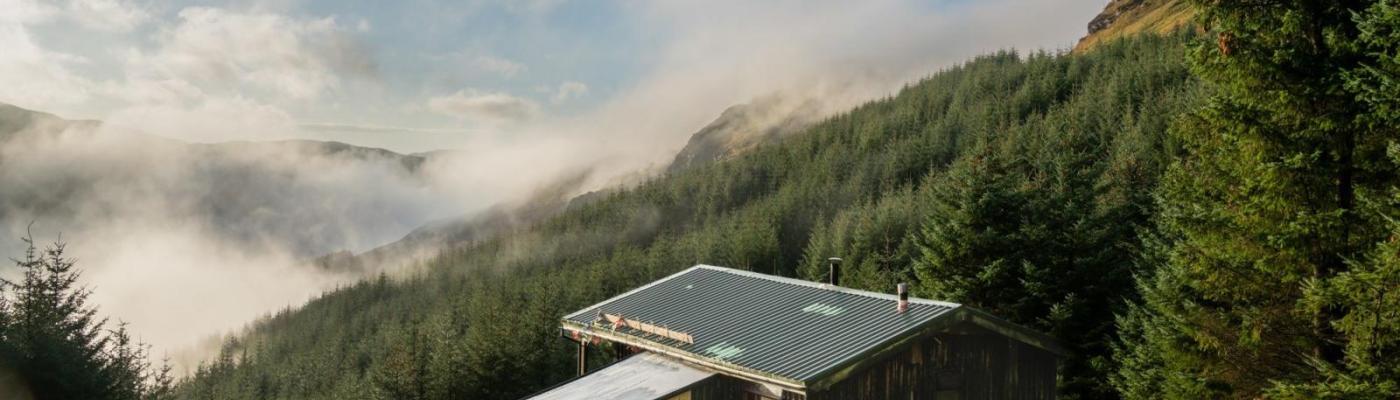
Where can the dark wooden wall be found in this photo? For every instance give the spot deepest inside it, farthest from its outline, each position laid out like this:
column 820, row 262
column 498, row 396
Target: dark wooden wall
column 965, row 364
column 723, row 387
column 718, row 387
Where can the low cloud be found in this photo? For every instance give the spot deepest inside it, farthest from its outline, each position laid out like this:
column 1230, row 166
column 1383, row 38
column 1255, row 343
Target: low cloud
column 489, row 107
column 356, row 128
column 189, row 240
column 208, row 119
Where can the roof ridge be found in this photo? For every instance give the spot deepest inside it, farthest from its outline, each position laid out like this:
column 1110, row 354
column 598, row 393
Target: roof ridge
column 818, row 285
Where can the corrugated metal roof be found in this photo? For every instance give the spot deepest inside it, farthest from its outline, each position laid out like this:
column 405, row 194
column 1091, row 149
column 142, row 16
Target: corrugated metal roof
column 640, row 377
column 791, row 329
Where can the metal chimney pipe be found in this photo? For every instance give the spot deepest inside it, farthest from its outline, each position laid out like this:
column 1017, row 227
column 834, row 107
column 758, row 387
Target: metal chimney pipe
column 903, row 290
column 833, row 275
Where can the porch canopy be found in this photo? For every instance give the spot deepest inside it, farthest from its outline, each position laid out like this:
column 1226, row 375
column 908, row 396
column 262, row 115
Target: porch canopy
column 641, row 377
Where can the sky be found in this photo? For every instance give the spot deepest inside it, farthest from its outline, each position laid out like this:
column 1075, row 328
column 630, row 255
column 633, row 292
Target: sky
column 420, row 75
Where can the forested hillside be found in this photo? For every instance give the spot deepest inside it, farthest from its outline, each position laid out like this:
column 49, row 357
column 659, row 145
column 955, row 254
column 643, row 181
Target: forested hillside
column 1015, row 183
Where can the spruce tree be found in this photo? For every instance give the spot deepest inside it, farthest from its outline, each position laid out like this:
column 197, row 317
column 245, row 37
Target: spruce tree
column 1369, row 291
column 972, row 245
column 55, row 344
column 1261, row 208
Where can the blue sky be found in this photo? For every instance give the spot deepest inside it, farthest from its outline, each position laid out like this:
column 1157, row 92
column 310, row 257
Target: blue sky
column 417, row 75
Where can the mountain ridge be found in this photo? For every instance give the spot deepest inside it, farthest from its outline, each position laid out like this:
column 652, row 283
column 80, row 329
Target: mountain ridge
column 1123, row 18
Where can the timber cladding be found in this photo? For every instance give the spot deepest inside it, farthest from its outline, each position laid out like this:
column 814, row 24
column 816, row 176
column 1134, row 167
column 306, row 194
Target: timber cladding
column 970, row 364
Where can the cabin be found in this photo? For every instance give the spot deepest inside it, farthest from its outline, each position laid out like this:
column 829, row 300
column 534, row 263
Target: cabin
column 718, row 333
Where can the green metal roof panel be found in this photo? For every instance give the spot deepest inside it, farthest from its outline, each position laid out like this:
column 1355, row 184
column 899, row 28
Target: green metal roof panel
column 793, row 329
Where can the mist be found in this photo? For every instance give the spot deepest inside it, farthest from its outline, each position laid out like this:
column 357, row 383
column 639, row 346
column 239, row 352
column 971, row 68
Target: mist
column 184, row 241
column 812, row 59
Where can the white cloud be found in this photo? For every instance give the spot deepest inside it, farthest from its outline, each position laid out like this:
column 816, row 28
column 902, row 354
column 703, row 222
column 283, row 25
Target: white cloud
column 497, row 65
column 31, row 75
column 107, row 15
column 484, row 106
column 569, row 90
column 216, row 75
column 25, row 11
column 224, row 51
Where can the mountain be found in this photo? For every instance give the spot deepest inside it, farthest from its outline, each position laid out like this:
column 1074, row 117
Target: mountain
column 744, row 126
column 14, row 120
column 1020, row 178
column 738, row 129
column 1123, row 18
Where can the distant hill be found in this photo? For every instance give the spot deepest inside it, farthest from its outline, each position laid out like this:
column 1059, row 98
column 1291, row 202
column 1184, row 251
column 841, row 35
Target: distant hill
column 1122, row 18
column 309, row 197
column 14, row 119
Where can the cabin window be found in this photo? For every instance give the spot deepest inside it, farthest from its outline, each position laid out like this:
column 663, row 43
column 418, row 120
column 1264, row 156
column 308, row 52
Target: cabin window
column 681, row 396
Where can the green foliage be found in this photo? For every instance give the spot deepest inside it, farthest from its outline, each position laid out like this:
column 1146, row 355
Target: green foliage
column 1256, row 294
column 1078, row 142
column 54, row 346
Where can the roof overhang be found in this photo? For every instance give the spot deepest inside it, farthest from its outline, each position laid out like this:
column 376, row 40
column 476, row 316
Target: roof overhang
column 640, row 377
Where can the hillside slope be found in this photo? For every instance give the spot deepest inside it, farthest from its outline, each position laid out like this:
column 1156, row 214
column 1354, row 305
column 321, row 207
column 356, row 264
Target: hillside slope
column 1124, row 18
column 742, row 127
column 1067, row 146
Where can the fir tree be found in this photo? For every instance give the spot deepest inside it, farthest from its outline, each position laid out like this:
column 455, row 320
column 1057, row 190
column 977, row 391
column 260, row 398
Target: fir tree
column 1262, row 207
column 58, row 347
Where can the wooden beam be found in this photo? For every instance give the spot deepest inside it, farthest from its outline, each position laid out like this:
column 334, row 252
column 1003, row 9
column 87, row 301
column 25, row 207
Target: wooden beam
column 620, row 321
column 582, row 357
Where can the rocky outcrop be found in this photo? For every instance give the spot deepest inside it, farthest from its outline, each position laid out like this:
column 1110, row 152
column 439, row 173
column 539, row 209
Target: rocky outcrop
column 745, row 126
column 1122, row 18
column 1111, row 13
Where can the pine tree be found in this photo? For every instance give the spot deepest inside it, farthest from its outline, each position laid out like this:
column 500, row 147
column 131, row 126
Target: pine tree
column 971, row 245
column 1261, row 207
column 58, row 347
column 1369, row 292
